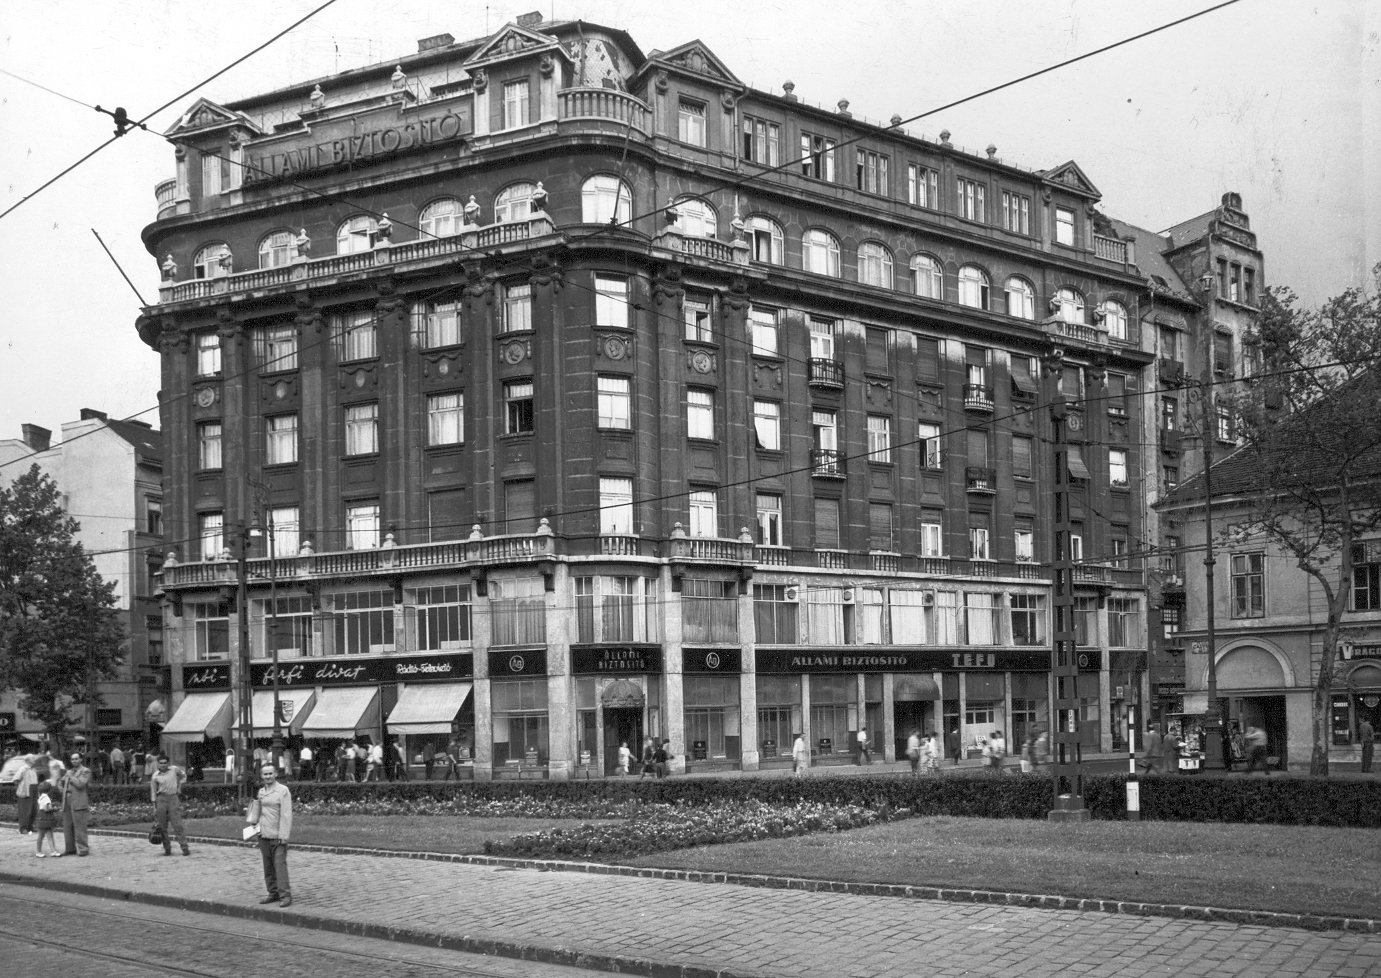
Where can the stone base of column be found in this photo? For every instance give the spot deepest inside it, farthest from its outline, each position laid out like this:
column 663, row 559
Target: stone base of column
column 558, row 771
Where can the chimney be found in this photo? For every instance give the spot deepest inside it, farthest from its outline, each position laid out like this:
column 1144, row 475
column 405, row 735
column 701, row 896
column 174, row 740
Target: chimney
column 39, row 439
column 90, row 413
column 530, row 20
column 436, row 41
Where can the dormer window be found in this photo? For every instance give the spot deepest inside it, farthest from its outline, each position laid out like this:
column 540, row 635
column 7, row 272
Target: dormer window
column 515, row 104
column 1064, row 226
column 215, row 173
column 691, row 122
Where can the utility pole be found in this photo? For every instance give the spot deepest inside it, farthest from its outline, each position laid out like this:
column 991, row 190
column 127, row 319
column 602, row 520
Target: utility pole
column 1213, row 720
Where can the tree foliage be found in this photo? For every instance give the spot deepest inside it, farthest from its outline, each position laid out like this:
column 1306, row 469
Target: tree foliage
column 1311, row 424
column 59, row 630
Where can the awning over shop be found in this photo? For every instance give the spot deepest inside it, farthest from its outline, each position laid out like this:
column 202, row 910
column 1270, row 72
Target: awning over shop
column 1077, row 469
column 297, row 706
column 915, row 688
column 427, row 709
column 200, row 715
column 342, row 712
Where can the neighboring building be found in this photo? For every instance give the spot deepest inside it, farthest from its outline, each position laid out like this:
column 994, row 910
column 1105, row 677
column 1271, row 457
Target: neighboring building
column 110, row 476
column 760, row 460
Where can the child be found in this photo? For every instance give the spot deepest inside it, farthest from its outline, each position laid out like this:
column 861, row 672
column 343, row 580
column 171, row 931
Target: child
column 47, row 800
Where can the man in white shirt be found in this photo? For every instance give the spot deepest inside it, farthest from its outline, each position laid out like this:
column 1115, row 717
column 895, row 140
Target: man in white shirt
column 800, row 756
column 304, row 766
column 864, row 758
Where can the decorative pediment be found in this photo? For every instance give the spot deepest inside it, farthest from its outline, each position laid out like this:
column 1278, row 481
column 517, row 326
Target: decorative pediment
column 511, row 41
column 1071, row 176
column 696, row 58
column 206, row 115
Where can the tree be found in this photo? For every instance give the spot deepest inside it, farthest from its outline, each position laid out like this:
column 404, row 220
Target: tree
column 1311, row 423
column 59, row 631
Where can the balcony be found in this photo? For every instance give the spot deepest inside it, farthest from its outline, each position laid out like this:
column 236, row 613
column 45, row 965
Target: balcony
column 832, row 559
column 980, row 481
column 1170, row 372
column 771, row 556
column 712, row 550
column 1114, row 250
column 978, row 397
column 707, row 248
column 1075, row 332
column 603, row 103
column 826, row 374
column 885, row 561
column 166, row 193
column 619, row 544
column 827, row 462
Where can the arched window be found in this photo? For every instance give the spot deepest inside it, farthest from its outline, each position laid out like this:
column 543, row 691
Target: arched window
column 441, row 218
column 356, row 235
column 695, row 218
column 1115, row 319
column 768, row 240
column 277, row 249
column 1021, row 298
column 213, row 261
column 514, row 203
column 605, row 198
column 820, row 252
column 926, row 277
column 1071, row 305
column 973, row 287
column 874, row 265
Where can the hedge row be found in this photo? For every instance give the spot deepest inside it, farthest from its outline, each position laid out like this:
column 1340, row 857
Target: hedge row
column 1280, row 801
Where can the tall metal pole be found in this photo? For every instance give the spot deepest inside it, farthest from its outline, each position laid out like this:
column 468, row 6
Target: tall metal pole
column 246, row 689
column 1213, row 721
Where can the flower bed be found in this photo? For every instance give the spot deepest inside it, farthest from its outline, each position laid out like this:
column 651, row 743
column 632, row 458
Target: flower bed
column 662, row 827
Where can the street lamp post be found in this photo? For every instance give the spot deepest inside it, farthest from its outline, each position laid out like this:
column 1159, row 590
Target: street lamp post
column 267, row 530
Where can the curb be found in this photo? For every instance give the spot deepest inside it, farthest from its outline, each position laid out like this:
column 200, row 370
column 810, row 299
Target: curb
column 1258, row 918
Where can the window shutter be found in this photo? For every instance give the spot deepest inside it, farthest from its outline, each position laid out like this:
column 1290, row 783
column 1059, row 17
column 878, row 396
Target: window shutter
column 520, row 507
column 1077, row 469
column 978, row 448
column 1021, row 375
column 1021, row 456
column 876, row 343
column 927, row 360
column 1222, row 353
column 446, row 510
column 827, row 523
column 880, row 526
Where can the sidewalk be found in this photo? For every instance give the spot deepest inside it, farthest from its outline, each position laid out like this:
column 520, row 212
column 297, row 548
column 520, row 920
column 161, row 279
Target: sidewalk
column 686, row 929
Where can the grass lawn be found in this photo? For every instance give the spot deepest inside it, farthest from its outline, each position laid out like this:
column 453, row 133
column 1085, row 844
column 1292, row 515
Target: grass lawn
column 418, row 833
column 1258, row 867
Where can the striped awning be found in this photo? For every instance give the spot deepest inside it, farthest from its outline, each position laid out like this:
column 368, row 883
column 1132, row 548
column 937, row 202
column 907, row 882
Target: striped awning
column 198, row 716
column 426, row 708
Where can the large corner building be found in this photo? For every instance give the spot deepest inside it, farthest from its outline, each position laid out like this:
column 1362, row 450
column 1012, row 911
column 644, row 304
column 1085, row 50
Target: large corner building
column 578, row 421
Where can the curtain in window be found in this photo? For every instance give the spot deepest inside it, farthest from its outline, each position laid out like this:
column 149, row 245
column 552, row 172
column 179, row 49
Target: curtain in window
column 979, row 612
column 908, row 617
column 946, row 618
column 872, row 610
column 824, row 615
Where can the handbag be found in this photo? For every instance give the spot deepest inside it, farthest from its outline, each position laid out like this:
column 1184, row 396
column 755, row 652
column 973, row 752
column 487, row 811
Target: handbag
column 156, row 837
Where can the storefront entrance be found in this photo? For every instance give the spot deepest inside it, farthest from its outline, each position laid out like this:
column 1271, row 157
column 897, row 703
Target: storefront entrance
column 913, row 708
column 622, row 725
column 1268, row 713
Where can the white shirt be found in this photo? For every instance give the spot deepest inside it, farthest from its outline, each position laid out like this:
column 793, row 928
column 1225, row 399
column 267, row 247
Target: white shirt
column 306, row 754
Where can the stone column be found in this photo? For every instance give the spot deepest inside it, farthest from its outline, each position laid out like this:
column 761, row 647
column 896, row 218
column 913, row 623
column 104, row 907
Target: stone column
column 963, row 725
column 673, row 699
column 561, row 714
column 806, row 731
column 749, row 759
column 481, row 630
column 889, row 717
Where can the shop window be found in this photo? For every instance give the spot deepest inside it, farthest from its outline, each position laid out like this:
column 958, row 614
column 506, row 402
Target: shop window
column 709, row 610
column 712, row 717
column 521, row 728
column 518, row 611
column 779, row 714
column 980, row 715
column 833, row 714
column 774, row 616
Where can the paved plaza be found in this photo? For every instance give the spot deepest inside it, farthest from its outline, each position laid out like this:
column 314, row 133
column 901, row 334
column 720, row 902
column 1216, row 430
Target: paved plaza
column 716, row 927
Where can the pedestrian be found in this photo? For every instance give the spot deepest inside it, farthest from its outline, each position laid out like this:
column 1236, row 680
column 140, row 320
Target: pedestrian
column 1028, row 750
column 451, row 759
column 952, row 744
column 999, row 749
column 660, row 758
column 1366, row 736
column 47, row 801
column 1170, row 751
column 356, row 760
column 1256, row 750
column 931, row 752
column 304, row 763
column 913, row 752
column 150, row 764
column 229, row 766
column 990, row 759
column 136, row 764
column 864, row 758
column 272, row 811
column 25, row 795
column 166, row 791
column 76, row 805
column 625, row 758
column 1155, row 750
column 428, row 760
column 646, row 759
column 800, row 756
column 118, row 773
column 1042, row 748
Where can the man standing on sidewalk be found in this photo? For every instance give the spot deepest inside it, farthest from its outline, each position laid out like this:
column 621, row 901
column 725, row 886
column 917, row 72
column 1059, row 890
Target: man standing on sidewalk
column 1366, row 735
column 75, row 806
column 117, row 765
column 1256, row 750
column 272, row 811
column 800, row 756
column 864, row 758
column 166, row 790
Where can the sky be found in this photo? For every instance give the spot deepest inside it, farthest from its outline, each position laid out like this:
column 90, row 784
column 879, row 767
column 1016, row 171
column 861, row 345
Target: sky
column 1278, row 100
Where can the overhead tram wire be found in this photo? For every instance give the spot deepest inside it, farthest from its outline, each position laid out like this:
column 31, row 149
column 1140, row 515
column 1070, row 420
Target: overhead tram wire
column 140, row 122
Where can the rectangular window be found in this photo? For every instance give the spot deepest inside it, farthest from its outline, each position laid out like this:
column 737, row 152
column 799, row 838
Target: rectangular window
column 826, row 524
column 520, row 506
column 697, row 315
column 436, row 324
column 517, row 308
column 690, row 118
column 276, row 348
column 611, row 301
column 700, row 414
column 825, row 430
column 875, row 351
column 280, row 439
column 978, row 447
column 211, row 530
column 361, row 526
column 211, row 174
column 1016, row 213
column 879, row 438
column 1224, row 416
column 764, row 324
column 1124, row 623
column 1085, row 621
column 761, row 141
column 822, row 338
column 1117, row 395
column 922, row 186
column 515, row 104
column 1117, row 467
column 1169, row 414
column 359, row 622
column 1024, row 543
column 211, row 631
column 932, row 537
column 616, row 506
column 1248, row 585
column 946, row 618
column 932, row 455
column 443, row 617
column 518, row 417
column 446, row 419
column 354, row 336
column 1076, row 546
column 970, row 204
column 817, row 156
column 209, row 445
column 872, row 172
column 1235, row 283
column 1170, row 476
column 153, row 516
column 615, row 402
column 362, row 429
column 518, row 610
column 981, row 622
column 1249, row 286
column 1028, row 619
column 1222, row 278
column 980, row 546
column 709, row 610
column 767, row 424
column 284, row 523
column 704, row 514
column 769, row 520
column 208, row 354
column 1064, row 226
column 776, row 619
column 1021, row 457
column 1366, row 576
column 880, row 527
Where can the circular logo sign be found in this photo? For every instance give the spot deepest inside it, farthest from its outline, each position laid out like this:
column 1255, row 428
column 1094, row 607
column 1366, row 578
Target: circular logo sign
column 1371, row 701
column 1083, row 660
column 516, row 663
column 712, row 660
